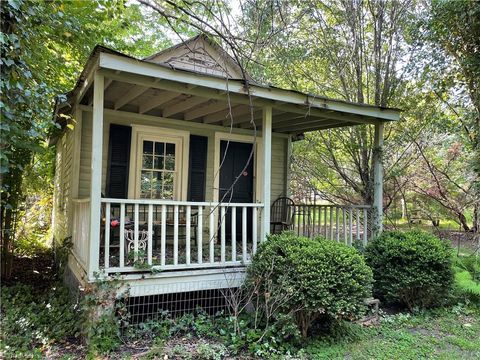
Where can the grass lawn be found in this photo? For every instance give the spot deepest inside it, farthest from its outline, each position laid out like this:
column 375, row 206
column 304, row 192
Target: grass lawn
column 442, row 334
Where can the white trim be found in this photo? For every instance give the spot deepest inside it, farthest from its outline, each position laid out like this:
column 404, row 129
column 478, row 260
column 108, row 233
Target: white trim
column 267, row 170
column 176, row 202
column 179, row 137
column 183, row 281
column 257, row 161
column 96, row 175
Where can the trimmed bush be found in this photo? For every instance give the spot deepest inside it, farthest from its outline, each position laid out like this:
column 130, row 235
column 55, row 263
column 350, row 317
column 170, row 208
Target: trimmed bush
column 412, row 269
column 308, row 278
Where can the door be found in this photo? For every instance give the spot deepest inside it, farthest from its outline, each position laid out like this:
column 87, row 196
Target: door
column 236, row 182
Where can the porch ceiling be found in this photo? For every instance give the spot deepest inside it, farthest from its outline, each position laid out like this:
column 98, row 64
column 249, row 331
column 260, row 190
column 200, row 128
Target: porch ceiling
column 137, row 86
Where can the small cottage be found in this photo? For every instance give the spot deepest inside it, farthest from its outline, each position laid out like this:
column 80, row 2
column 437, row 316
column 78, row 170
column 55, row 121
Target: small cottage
column 171, row 170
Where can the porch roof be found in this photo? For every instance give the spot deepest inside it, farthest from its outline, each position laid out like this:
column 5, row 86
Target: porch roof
column 142, row 87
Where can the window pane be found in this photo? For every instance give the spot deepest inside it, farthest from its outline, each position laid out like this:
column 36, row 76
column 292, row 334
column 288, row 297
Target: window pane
column 158, row 163
column 147, row 147
column 168, row 192
column 157, row 185
column 170, row 149
column 147, row 162
column 145, row 184
column 170, row 162
column 168, row 179
column 159, row 148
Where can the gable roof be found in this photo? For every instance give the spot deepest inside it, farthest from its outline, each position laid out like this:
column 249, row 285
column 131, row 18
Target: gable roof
column 133, row 86
column 199, row 54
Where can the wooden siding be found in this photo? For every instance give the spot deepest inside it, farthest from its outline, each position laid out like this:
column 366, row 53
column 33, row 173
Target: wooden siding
column 85, row 156
column 279, row 151
column 62, row 186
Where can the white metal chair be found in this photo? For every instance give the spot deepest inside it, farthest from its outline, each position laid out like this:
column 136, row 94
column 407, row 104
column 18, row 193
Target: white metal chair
column 130, row 240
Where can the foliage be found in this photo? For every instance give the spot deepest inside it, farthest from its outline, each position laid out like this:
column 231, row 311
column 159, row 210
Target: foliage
column 43, row 46
column 31, row 320
column 410, row 268
column 308, row 279
column 447, row 39
column 448, row 333
column 211, row 351
column 103, row 315
column 467, row 276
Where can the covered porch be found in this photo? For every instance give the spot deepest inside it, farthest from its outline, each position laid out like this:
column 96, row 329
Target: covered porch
column 157, row 221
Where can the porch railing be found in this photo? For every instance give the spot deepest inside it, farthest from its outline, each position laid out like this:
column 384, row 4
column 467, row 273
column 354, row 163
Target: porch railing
column 148, row 235
column 345, row 223
column 81, row 229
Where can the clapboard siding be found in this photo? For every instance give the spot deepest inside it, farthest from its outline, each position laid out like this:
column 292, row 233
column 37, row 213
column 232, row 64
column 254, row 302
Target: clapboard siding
column 85, row 156
column 62, row 186
column 279, row 150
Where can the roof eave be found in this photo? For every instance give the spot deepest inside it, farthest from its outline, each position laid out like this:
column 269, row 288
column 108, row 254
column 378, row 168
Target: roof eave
column 140, row 67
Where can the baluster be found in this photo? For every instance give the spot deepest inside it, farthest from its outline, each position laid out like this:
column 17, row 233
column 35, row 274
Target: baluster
column 254, row 231
column 337, row 224
column 163, row 236
column 188, row 213
column 150, row 234
column 200, row 234
column 325, row 221
column 344, row 218
column 107, row 236
column 222, row 234
column 135, row 235
column 350, row 226
column 357, row 213
column 212, row 235
column 175, row 235
column 365, row 227
column 234, row 233
column 244, row 234
column 122, row 235
column 331, row 222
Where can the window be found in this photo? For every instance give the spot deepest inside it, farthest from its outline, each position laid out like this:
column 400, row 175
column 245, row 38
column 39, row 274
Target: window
column 158, row 168
column 158, row 175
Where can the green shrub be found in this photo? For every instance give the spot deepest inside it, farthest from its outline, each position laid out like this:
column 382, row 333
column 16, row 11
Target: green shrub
column 412, row 268
column 308, row 278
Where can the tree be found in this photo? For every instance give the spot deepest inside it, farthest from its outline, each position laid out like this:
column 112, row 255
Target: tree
column 43, row 47
column 355, row 51
column 452, row 34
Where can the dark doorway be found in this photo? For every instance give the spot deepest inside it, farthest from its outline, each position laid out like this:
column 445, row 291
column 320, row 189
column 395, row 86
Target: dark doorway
column 235, row 156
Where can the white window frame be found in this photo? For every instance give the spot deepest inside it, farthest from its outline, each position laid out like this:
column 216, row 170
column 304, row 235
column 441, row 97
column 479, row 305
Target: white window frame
column 180, row 138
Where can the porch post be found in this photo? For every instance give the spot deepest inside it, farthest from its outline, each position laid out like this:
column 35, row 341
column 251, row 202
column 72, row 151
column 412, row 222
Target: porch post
column 267, row 169
column 96, row 175
column 378, row 179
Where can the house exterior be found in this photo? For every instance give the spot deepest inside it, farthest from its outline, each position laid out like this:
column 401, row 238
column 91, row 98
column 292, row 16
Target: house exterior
column 167, row 167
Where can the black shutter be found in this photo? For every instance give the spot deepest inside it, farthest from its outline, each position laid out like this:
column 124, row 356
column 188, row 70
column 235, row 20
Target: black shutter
column 197, row 168
column 118, row 161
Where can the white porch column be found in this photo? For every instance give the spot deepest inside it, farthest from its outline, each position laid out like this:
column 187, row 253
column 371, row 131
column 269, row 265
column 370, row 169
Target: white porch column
column 378, row 179
column 96, row 175
column 267, row 169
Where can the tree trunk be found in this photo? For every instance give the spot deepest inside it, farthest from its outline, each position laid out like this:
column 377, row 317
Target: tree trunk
column 7, row 243
column 463, row 221
column 476, row 219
